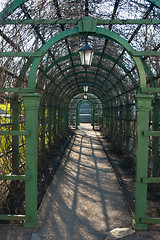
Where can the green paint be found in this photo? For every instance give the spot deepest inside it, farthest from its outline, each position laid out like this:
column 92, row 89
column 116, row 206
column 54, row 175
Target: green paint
column 143, row 104
column 31, row 105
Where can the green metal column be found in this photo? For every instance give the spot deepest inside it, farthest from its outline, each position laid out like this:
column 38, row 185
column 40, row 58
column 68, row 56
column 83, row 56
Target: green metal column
column 58, row 121
column 50, row 124
column 43, row 126
column 77, row 117
column 127, row 132
column 143, row 104
column 115, row 122
column 120, row 120
column 15, row 139
column 93, row 116
column 111, row 121
column 155, row 141
column 31, row 105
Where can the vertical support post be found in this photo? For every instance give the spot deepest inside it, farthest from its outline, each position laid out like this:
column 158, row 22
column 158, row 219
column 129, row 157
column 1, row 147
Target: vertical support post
column 111, row 122
column 50, row 123
column 15, row 139
column 31, row 105
column 93, row 117
column 58, row 127
column 155, row 141
column 120, row 120
column 115, row 122
column 55, row 123
column 127, row 132
column 77, row 117
column 143, row 104
column 43, row 126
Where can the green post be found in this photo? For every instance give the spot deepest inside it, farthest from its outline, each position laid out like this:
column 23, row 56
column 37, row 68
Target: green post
column 31, row 105
column 155, row 141
column 143, row 104
column 127, row 132
column 58, row 127
column 120, row 119
column 43, row 126
column 115, row 122
column 55, row 124
column 50, row 123
column 93, row 117
column 77, row 117
column 15, row 139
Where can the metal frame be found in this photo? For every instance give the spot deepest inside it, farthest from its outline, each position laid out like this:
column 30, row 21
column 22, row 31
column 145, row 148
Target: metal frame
column 87, row 26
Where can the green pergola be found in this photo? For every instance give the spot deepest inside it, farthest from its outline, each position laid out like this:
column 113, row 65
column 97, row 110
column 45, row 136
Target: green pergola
column 49, row 78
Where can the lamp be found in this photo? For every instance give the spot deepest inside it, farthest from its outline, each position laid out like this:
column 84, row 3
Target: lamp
column 85, row 96
column 85, row 88
column 86, row 55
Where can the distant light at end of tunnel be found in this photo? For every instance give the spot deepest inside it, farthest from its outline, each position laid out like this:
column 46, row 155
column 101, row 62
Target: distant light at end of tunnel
column 85, row 96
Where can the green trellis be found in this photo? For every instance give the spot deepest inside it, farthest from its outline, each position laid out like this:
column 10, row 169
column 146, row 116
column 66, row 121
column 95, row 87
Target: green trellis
column 58, row 114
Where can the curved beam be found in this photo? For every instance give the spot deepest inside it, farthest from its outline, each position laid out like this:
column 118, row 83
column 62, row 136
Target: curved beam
column 100, row 32
column 106, row 56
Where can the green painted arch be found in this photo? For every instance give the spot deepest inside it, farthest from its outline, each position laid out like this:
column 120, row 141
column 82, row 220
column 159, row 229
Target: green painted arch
column 72, row 96
column 96, row 86
column 64, row 79
column 89, row 73
column 100, row 32
column 61, row 82
column 100, row 75
column 60, row 59
column 85, row 101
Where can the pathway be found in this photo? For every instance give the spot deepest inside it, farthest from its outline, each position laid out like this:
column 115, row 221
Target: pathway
column 84, row 200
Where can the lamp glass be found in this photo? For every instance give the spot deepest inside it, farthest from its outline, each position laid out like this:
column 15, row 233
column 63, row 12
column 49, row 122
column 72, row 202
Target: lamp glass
column 86, row 55
column 85, row 96
column 85, row 88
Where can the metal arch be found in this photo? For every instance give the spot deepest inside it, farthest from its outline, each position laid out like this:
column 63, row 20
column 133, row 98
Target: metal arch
column 155, row 2
column 87, row 101
column 9, row 9
column 81, row 72
column 66, row 83
column 76, row 85
column 95, row 53
column 77, row 73
column 71, row 97
column 89, row 73
column 101, row 32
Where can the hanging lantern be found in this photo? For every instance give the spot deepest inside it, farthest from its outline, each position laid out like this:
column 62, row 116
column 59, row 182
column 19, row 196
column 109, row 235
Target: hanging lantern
column 85, row 88
column 85, row 96
column 86, row 55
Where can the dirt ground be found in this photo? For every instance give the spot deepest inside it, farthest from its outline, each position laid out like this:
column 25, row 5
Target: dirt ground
column 84, row 200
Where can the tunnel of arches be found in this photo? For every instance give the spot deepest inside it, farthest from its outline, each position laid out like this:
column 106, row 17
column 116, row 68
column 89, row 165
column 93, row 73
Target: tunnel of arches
column 43, row 85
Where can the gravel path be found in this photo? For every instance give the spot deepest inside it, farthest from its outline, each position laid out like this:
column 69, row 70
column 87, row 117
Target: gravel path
column 84, row 200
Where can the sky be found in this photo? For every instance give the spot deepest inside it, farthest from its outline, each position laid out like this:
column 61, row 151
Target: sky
column 2, row 4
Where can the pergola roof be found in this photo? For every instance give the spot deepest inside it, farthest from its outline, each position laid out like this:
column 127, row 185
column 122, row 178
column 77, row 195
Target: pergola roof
column 26, row 26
